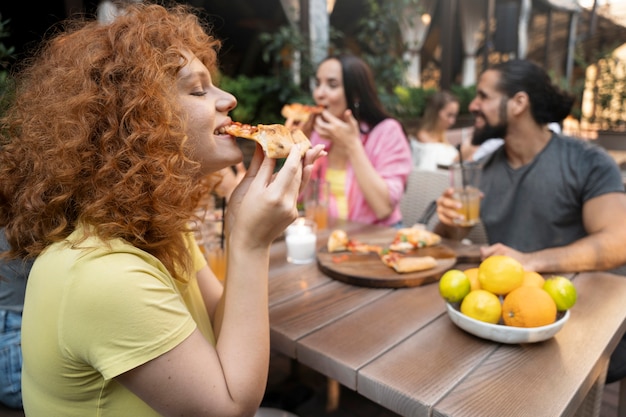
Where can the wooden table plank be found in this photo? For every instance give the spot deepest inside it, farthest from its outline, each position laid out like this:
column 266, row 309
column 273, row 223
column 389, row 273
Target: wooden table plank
column 346, row 345
column 417, row 373
column 556, row 374
column 314, row 309
column 290, row 281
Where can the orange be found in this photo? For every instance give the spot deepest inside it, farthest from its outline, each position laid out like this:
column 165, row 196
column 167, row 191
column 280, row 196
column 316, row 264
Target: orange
column 472, row 274
column 533, row 278
column 482, row 305
column 500, row 274
column 562, row 292
column 528, row 306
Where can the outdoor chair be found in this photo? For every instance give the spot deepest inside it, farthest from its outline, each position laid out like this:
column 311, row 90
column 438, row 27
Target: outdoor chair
column 418, row 202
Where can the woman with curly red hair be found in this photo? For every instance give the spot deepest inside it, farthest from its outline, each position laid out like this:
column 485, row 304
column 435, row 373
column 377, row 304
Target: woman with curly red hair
column 112, row 129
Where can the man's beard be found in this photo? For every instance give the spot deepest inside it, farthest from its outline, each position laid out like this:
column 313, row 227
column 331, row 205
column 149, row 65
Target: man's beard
column 489, row 132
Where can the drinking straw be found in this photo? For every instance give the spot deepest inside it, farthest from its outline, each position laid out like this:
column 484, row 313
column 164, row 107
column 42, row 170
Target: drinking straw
column 223, row 222
column 463, row 180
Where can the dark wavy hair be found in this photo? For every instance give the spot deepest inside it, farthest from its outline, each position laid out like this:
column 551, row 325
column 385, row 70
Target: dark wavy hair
column 548, row 103
column 360, row 90
column 95, row 135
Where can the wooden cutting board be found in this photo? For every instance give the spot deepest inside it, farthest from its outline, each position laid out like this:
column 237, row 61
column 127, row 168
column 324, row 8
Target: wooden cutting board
column 368, row 270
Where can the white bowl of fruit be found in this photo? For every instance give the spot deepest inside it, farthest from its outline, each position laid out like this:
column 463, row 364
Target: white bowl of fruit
column 499, row 301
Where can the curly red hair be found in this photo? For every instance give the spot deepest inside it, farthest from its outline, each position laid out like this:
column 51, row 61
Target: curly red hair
column 95, row 136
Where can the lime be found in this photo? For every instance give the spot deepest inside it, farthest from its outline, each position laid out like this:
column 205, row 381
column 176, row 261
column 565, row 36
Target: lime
column 454, row 285
column 500, row 274
column 482, row 305
column 562, row 292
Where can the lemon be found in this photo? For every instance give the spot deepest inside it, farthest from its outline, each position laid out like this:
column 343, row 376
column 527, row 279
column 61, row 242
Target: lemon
column 454, row 285
column 482, row 305
column 562, row 292
column 500, row 274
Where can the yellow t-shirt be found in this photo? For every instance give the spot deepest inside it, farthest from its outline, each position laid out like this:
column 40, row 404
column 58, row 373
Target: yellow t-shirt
column 93, row 313
column 337, row 180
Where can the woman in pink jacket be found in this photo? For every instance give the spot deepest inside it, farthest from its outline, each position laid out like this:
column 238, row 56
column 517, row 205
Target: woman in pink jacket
column 369, row 158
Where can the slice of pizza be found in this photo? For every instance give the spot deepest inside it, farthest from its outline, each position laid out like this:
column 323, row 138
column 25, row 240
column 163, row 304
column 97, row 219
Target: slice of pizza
column 276, row 139
column 299, row 113
column 356, row 246
column 406, row 264
column 337, row 241
column 409, row 238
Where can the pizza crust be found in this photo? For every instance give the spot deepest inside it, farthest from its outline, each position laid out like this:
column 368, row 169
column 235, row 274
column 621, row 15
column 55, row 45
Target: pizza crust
column 406, row 264
column 275, row 139
column 414, row 264
column 337, row 241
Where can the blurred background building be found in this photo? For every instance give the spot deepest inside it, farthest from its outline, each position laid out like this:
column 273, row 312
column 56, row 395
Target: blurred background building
column 413, row 43
column 452, row 38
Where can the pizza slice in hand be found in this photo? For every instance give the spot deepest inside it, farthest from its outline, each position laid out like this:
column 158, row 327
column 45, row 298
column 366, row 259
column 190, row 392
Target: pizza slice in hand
column 296, row 113
column 276, row 140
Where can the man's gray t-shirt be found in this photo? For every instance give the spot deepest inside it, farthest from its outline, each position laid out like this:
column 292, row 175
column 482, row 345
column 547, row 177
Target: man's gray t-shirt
column 539, row 205
column 13, row 274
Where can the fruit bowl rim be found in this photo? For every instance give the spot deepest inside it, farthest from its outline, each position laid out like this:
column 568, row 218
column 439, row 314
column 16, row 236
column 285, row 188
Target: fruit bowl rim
column 506, row 334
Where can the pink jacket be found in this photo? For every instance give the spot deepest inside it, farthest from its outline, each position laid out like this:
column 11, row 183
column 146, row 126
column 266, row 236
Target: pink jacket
column 387, row 147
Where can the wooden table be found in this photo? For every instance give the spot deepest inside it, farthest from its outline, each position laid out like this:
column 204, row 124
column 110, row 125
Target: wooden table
column 399, row 348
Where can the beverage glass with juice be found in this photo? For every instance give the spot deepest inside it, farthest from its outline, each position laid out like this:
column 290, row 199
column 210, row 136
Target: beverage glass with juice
column 208, row 230
column 465, row 179
column 316, row 197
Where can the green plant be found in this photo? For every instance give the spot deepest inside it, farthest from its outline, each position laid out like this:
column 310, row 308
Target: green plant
column 380, row 39
column 410, row 102
column 465, row 96
column 283, row 48
column 280, row 49
column 609, row 107
column 259, row 98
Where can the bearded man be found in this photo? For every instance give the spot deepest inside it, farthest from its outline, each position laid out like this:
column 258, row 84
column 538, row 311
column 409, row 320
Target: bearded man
column 552, row 202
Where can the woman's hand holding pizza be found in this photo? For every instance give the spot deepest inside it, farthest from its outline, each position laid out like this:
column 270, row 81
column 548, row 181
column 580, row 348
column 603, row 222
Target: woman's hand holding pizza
column 264, row 203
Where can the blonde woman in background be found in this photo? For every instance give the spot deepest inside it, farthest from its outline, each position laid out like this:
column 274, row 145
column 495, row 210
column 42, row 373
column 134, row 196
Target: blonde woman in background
column 430, row 147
